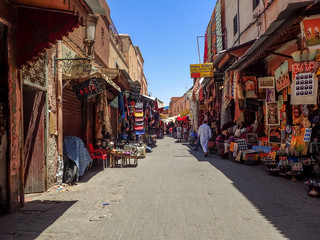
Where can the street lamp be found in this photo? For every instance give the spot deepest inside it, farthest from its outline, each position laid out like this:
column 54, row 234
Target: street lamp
column 91, row 33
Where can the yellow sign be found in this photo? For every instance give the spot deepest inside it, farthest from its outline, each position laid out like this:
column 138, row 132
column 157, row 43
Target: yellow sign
column 164, row 116
column 201, row 70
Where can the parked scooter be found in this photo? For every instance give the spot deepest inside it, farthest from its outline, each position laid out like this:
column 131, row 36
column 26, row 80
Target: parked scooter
column 76, row 158
column 70, row 170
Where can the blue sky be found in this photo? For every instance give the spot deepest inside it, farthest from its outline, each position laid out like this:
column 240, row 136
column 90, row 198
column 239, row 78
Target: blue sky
column 166, row 32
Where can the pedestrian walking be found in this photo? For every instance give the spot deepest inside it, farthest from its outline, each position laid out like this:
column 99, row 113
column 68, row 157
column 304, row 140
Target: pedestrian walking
column 179, row 130
column 171, row 131
column 185, row 132
column 204, row 133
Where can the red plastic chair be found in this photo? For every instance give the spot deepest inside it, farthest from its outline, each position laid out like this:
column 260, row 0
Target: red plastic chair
column 98, row 154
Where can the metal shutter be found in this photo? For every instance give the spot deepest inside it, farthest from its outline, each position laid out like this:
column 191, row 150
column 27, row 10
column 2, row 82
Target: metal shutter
column 72, row 114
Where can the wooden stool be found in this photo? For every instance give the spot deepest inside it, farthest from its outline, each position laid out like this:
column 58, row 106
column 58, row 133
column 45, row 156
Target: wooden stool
column 127, row 159
column 114, row 158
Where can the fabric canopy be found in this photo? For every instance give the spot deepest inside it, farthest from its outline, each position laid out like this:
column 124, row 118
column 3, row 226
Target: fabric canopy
column 38, row 29
column 184, row 113
column 182, row 118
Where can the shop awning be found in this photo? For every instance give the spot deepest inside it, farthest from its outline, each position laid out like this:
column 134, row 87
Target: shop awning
column 277, row 30
column 182, row 118
column 152, row 99
column 160, row 103
column 119, row 76
column 184, row 113
column 164, row 116
column 226, row 56
column 41, row 23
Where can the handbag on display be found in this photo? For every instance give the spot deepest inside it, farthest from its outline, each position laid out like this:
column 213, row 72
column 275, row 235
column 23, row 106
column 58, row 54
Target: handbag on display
column 139, row 123
column 138, row 114
column 138, row 128
column 139, row 119
column 139, row 104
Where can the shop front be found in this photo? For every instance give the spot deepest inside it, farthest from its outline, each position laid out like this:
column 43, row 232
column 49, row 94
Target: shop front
column 22, row 90
column 272, row 100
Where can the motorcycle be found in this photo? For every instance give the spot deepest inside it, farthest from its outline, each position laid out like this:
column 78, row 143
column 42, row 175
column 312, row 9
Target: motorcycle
column 76, row 158
column 70, row 170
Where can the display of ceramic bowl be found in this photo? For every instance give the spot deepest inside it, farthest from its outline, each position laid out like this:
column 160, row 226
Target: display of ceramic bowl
column 304, row 56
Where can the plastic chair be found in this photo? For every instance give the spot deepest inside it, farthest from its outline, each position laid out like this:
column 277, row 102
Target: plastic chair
column 98, row 154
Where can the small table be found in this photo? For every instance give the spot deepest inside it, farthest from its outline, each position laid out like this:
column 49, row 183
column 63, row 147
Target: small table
column 115, row 157
column 128, row 158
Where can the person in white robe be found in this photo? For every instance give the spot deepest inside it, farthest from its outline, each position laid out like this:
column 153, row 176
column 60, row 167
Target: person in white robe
column 204, row 132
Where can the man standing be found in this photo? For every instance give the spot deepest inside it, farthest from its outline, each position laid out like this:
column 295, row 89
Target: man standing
column 179, row 130
column 204, row 132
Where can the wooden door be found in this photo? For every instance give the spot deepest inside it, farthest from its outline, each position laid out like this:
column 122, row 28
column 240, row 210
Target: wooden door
column 34, row 154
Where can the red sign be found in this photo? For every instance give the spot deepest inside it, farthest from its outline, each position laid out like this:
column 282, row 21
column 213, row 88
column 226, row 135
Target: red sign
column 87, row 89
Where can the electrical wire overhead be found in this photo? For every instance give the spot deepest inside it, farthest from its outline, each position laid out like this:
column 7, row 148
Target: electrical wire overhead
column 171, row 83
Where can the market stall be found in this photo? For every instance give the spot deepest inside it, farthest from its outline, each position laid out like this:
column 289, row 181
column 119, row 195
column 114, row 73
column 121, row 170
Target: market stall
column 272, row 116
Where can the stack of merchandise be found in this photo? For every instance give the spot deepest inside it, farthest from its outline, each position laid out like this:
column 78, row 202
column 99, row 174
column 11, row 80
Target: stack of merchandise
column 139, row 123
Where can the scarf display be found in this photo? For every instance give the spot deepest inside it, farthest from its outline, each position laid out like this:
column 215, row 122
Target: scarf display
column 139, row 121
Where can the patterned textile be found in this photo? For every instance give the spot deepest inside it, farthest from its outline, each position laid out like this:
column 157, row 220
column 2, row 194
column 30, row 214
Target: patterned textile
column 121, row 107
column 74, row 148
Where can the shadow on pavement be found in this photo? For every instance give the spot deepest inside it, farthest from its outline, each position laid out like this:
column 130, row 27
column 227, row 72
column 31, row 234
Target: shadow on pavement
column 31, row 220
column 285, row 204
column 94, row 170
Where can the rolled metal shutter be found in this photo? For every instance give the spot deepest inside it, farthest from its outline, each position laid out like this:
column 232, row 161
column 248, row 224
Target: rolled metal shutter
column 72, row 114
column 114, row 121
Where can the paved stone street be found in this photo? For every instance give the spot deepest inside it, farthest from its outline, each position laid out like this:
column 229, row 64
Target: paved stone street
column 174, row 193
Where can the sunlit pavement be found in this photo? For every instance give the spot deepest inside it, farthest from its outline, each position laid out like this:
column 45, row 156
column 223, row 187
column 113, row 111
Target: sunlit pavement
column 174, row 193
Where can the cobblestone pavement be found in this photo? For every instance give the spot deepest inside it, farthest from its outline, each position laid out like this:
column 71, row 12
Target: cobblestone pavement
column 174, row 193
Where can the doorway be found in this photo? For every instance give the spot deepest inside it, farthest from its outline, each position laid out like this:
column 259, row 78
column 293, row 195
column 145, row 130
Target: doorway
column 4, row 120
column 34, row 140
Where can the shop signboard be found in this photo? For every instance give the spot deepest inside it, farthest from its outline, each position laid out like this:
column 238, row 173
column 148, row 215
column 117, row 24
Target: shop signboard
column 282, row 76
column 87, row 89
column 266, row 82
column 303, row 67
column 274, row 135
column 310, row 30
column 304, row 89
column 271, row 95
column 201, row 70
column 272, row 114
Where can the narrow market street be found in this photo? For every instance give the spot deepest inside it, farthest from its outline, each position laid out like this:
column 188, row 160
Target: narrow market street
column 173, row 193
